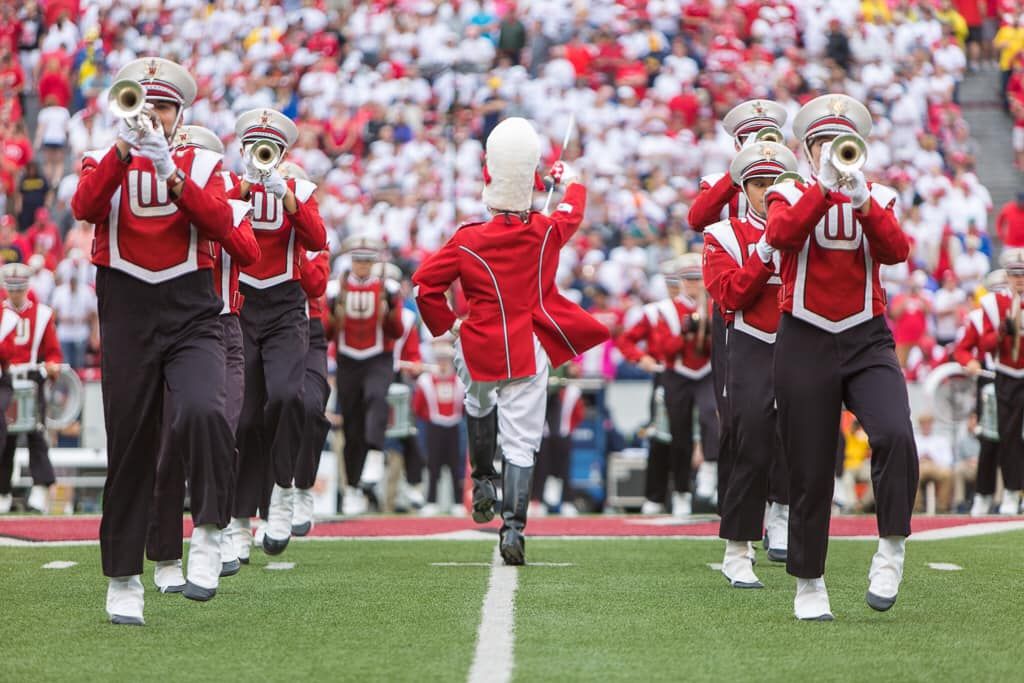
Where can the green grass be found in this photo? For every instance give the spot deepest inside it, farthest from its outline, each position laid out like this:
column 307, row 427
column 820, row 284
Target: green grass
column 626, row 610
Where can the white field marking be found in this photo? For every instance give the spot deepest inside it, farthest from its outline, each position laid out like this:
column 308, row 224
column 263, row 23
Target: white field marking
column 495, row 640
column 945, row 566
column 673, row 521
column 968, row 530
column 715, row 566
column 59, row 564
column 275, row 566
column 460, row 564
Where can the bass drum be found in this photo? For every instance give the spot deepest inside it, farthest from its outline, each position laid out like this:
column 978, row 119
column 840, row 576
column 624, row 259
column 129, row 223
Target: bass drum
column 63, row 399
column 952, row 393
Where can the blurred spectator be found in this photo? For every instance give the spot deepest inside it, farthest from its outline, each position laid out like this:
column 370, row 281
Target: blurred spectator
column 950, row 305
column 856, row 468
column 910, row 312
column 74, row 306
column 1010, row 223
column 33, row 189
column 52, row 138
column 44, row 240
column 936, row 463
column 971, row 266
column 14, row 247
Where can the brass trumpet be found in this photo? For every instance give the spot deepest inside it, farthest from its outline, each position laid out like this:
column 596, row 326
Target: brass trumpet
column 265, row 156
column 770, row 134
column 789, row 177
column 849, row 153
column 127, row 100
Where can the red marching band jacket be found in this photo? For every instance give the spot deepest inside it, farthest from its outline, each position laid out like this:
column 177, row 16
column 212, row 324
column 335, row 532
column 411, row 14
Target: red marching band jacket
column 314, row 271
column 718, row 199
column 661, row 329
column 438, row 400
column 968, row 345
column 34, row 339
column 367, row 330
column 407, row 346
column 507, row 269
column 831, row 253
column 282, row 236
column 994, row 337
column 238, row 249
column 141, row 229
column 743, row 285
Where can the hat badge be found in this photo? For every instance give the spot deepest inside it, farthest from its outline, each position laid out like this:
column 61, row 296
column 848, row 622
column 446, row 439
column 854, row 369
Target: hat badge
column 837, row 106
column 758, row 108
column 767, row 152
column 152, row 68
column 264, row 118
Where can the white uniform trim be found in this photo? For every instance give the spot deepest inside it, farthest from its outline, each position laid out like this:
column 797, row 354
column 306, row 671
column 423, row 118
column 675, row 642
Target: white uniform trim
column 426, row 384
column 722, row 231
column 304, row 189
column 203, row 164
column 360, row 354
column 43, row 315
column 990, row 305
column 408, row 322
column 670, row 314
column 883, row 195
column 501, row 306
column 540, row 293
column 789, row 191
column 8, row 322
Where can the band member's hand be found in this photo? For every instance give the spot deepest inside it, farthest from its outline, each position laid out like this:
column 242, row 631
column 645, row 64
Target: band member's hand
column 828, row 174
column 973, row 367
column 251, row 174
column 456, row 328
column 126, row 134
column 691, row 323
column 857, row 190
column 275, row 185
column 52, row 370
column 154, row 147
column 764, row 250
column 648, row 364
column 562, row 174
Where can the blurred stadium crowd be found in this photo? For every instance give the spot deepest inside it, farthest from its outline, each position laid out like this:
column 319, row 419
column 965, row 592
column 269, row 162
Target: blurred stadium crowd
column 394, row 99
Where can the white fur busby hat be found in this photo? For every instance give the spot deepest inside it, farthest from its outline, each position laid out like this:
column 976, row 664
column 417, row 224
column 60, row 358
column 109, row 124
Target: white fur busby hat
column 197, row 136
column 161, row 79
column 751, row 116
column 834, row 114
column 266, row 124
column 762, row 159
column 510, row 169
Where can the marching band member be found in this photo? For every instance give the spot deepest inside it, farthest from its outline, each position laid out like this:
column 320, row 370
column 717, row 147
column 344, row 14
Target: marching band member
column 1002, row 338
column 275, row 328
column 156, row 214
column 564, row 412
column 518, row 321
column 438, row 402
column 367, row 321
column 34, row 341
column 742, row 275
column 163, row 542
column 833, row 347
column 968, row 353
column 719, row 198
column 677, row 327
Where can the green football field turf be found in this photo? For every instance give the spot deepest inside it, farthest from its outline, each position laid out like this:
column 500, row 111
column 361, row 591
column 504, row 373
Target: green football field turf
column 626, row 610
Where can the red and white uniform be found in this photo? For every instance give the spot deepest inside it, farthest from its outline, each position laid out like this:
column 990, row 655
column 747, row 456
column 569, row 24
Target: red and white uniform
column 661, row 327
column 282, row 236
column 34, row 339
column 407, row 346
column 438, row 400
column 573, row 410
column 994, row 339
column 363, row 333
column 507, row 272
column 718, row 199
column 968, row 346
column 239, row 248
column 140, row 228
column 314, row 272
column 831, row 253
column 743, row 285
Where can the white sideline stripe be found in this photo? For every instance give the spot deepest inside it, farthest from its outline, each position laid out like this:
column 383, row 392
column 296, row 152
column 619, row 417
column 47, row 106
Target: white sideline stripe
column 967, row 530
column 460, row 564
column 492, row 661
column 278, row 566
column 59, row 564
column 945, row 566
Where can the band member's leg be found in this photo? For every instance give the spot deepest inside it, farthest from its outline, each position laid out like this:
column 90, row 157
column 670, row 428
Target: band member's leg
column 456, row 462
column 707, row 416
column 808, row 390
column 234, row 369
column 379, row 371
column 436, row 458
column 719, row 374
column 9, row 444
column 317, row 392
column 284, row 370
column 39, row 459
column 253, row 454
column 480, row 402
column 413, row 460
column 679, row 401
column 1010, row 404
column 163, row 542
column 659, row 456
column 988, row 462
column 350, row 380
column 7, row 463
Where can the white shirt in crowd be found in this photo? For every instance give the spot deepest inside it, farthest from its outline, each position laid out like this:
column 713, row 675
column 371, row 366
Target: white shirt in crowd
column 74, row 309
column 52, row 125
column 935, row 447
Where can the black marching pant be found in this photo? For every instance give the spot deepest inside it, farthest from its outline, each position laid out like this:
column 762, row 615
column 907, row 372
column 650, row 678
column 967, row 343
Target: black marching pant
column 156, row 339
column 363, row 399
column 38, row 450
column 317, row 393
column 681, row 395
column 816, row 372
column 988, row 452
column 757, row 451
column 163, row 541
column 719, row 373
column 275, row 334
column 1010, row 408
column 555, row 451
column 443, row 451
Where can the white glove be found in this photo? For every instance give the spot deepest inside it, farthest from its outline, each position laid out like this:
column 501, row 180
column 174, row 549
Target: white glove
column 563, row 174
column 251, row 174
column 154, row 147
column 828, row 175
column 765, row 251
column 126, row 134
column 857, row 189
column 275, row 185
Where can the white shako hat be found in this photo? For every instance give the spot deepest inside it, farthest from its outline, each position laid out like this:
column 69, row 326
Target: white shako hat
column 834, row 114
column 290, row 169
column 762, row 159
column 161, row 79
column 16, row 275
column 996, row 280
column 510, row 168
column 751, row 116
column 690, row 266
column 1012, row 260
column 363, row 247
column 670, row 269
column 266, row 124
column 197, row 136
column 388, row 271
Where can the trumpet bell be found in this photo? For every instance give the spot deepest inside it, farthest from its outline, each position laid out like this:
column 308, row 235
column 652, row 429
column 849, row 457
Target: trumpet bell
column 770, row 134
column 849, row 152
column 126, row 99
column 265, row 155
column 788, row 177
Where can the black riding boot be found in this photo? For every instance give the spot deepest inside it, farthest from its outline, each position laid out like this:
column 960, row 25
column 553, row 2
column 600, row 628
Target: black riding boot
column 483, row 445
column 515, row 502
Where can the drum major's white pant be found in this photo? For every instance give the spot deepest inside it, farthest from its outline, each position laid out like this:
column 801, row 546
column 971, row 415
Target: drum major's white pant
column 520, row 404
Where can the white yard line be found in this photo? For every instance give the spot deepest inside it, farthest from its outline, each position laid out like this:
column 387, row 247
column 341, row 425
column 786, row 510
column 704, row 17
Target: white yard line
column 492, row 662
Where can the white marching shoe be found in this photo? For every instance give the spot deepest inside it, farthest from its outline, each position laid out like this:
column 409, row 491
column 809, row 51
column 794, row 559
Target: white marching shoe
column 1011, row 502
column 886, row 572
column 430, row 510
column 707, row 481
column 204, row 565
column 682, row 504
column 6, row 500
column 279, row 520
column 240, row 533
column 302, row 512
column 776, row 532
column 354, row 503
column 168, row 578
column 982, row 505
column 651, row 508
column 125, row 600
column 414, row 495
column 811, row 601
column 39, row 499
column 229, row 562
column 738, row 567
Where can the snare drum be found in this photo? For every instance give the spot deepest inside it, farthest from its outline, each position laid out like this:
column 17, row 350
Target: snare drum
column 400, row 423
column 23, row 412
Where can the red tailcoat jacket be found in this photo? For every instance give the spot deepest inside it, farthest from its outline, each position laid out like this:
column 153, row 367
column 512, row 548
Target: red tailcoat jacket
column 238, row 249
column 315, row 269
column 995, row 338
column 968, row 344
column 507, row 269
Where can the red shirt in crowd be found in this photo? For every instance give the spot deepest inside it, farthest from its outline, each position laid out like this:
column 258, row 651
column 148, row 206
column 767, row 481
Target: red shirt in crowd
column 55, row 84
column 1010, row 224
column 910, row 313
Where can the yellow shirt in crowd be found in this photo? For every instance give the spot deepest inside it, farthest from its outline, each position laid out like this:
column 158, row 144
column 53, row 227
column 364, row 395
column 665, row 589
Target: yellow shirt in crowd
column 1009, row 41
